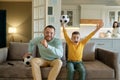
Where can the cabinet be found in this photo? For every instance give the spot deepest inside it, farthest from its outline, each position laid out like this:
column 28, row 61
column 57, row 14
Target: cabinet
column 103, row 43
column 73, row 14
column 112, row 14
column 106, row 43
column 116, row 45
column 91, row 11
column 108, row 14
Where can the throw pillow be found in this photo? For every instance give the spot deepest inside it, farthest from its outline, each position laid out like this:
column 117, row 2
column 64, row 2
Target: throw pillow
column 89, row 52
column 3, row 54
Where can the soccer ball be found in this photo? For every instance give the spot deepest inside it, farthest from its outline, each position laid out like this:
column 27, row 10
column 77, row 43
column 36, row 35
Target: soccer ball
column 27, row 60
column 64, row 19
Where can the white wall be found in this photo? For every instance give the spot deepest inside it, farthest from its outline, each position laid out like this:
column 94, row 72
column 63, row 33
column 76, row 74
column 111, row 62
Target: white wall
column 55, row 18
column 85, row 30
column 69, row 31
column 91, row 11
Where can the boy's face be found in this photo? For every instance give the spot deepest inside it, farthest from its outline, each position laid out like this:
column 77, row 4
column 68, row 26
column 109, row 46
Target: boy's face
column 75, row 38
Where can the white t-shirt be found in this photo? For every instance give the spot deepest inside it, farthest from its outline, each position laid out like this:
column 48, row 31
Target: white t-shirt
column 116, row 32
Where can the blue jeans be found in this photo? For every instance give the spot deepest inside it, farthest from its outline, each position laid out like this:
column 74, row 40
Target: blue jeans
column 75, row 66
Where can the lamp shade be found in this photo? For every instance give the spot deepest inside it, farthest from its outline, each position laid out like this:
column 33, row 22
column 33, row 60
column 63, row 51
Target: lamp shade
column 11, row 30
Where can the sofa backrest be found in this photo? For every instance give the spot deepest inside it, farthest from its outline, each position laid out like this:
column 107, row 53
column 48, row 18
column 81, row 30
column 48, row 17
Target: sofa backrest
column 16, row 51
column 88, row 52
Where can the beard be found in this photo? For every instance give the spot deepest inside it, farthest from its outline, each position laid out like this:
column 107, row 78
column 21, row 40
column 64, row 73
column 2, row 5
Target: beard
column 48, row 38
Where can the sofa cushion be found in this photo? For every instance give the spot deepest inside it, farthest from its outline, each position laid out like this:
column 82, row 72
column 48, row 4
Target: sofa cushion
column 89, row 52
column 3, row 54
column 96, row 69
column 17, row 50
column 16, row 70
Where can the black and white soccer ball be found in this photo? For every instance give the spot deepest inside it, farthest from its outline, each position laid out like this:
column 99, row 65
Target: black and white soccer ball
column 64, row 19
column 27, row 60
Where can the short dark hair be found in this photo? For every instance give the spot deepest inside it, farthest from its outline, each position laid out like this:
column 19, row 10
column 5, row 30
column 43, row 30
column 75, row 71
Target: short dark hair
column 75, row 32
column 49, row 26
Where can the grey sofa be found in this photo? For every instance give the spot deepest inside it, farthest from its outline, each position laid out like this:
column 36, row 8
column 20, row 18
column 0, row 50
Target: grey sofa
column 100, row 64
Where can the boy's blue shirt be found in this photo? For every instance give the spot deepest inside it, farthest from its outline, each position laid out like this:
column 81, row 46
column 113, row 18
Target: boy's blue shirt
column 53, row 51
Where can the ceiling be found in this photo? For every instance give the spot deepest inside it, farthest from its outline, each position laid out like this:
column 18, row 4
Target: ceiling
column 77, row 2
column 102, row 2
column 15, row 0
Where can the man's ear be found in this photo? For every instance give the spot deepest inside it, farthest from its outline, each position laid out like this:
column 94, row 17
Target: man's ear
column 54, row 33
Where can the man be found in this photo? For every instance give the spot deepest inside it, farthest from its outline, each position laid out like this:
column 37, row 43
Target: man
column 51, row 51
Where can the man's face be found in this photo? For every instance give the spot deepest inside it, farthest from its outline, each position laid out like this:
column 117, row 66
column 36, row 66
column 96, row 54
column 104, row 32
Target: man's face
column 75, row 38
column 49, row 33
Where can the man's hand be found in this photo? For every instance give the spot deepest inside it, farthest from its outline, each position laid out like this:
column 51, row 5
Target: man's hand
column 44, row 43
column 26, row 54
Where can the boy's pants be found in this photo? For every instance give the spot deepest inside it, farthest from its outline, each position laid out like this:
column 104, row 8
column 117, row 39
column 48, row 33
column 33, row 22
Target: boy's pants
column 78, row 66
column 36, row 63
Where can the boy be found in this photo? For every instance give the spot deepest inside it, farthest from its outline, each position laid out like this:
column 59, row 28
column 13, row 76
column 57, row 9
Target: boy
column 75, row 52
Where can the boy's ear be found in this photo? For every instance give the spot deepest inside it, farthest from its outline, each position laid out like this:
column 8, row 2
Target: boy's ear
column 71, row 37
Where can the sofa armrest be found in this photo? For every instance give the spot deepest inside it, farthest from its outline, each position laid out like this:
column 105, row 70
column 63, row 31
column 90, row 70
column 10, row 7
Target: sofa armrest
column 3, row 54
column 109, row 58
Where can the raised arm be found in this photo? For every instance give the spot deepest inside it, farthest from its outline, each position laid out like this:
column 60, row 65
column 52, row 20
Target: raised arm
column 92, row 33
column 65, row 34
column 98, row 27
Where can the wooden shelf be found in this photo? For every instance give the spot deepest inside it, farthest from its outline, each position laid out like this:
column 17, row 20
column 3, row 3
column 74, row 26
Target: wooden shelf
column 90, row 21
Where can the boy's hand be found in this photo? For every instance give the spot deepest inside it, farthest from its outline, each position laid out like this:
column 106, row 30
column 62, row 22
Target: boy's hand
column 63, row 25
column 99, row 26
